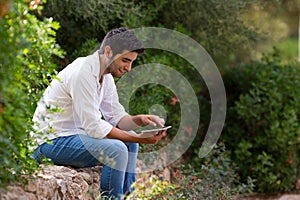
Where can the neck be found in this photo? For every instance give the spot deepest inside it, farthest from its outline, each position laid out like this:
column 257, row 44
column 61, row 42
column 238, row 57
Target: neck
column 103, row 67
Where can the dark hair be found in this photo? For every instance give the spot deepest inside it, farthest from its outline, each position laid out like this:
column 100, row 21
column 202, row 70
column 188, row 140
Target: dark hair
column 120, row 40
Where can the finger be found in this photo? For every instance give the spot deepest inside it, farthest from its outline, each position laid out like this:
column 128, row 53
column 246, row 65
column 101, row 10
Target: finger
column 156, row 133
column 164, row 133
column 152, row 123
column 161, row 123
column 159, row 132
column 149, row 121
column 158, row 120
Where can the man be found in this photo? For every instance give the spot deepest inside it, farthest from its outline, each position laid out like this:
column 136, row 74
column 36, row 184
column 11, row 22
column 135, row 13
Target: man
column 79, row 119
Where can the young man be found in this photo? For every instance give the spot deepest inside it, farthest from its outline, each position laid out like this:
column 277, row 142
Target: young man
column 79, row 119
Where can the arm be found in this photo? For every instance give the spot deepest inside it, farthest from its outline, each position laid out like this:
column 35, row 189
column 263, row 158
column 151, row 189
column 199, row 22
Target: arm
column 125, row 136
column 129, row 122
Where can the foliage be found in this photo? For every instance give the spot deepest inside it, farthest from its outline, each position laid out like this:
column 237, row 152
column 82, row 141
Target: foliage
column 152, row 188
column 278, row 21
column 26, row 47
column 288, row 49
column 207, row 22
column 262, row 128
column 86, row 48
column 212, row 177
column 287, row 11
column 82, row 20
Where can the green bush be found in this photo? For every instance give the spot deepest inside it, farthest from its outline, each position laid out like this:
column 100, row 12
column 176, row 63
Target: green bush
column 212, row 177
column 82, row 20
column 216, row 175
column 208, row 22
column 86, row 48
column 262, row 128
column 26, row 46
column 289, row 48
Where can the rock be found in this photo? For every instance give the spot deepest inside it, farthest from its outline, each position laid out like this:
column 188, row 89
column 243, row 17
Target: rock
column 57, row 182
column 86, row 177
column 53, row 182
column 289, row 197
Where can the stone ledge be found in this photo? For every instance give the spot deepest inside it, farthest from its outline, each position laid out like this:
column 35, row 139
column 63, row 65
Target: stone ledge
column 57, row 182
column 60, row 182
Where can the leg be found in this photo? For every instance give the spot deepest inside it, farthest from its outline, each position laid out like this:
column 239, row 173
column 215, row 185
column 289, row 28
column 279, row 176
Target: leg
column 131, row 167
column 84, row 151
column 111, row 176
column 68, row 151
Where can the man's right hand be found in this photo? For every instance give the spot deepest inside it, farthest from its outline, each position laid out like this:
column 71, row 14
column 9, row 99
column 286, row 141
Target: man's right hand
column 125, row 136
column 152, row 137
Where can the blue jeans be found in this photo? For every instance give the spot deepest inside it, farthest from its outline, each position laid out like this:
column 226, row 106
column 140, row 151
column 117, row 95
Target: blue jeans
column 118, row 159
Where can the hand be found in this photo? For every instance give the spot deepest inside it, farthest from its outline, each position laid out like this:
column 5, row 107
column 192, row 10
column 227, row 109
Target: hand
column 149, row 120
column 152, row 137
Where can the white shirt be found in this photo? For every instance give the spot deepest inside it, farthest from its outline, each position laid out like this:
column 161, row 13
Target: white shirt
column 75, row 103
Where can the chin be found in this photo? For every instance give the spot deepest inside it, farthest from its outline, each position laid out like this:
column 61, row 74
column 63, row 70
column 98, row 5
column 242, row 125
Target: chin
column 116, row 75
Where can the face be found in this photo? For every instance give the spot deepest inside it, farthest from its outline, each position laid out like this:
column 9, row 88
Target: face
column 121, row 64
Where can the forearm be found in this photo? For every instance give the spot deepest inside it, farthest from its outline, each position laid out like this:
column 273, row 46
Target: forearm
column 128, row 123
column 122, row 135
column 125, row 136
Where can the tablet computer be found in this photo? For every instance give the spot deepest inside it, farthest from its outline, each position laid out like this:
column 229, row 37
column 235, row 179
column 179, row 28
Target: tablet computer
column 156, row 129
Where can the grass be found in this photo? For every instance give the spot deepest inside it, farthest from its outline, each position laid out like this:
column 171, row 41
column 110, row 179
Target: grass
column 287, row 47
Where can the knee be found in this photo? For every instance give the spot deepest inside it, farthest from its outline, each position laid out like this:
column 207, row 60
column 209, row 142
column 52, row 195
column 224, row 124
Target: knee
column 120, row 151
column 121, row 147
column 133, row 147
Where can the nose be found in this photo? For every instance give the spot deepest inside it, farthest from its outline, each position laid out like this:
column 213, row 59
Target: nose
column 128, row 67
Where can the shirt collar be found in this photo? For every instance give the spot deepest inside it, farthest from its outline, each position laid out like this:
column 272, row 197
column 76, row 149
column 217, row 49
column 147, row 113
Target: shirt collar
column 94, row 61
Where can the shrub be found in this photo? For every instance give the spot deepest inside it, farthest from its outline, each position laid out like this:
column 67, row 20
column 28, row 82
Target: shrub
column 86, row 19
column 212, row 177
column 262, row 127
column 26, row 46
column 86, row 48
column 208, row 22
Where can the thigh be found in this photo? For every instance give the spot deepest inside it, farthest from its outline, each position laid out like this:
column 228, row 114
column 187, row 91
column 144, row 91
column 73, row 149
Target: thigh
column 67, row 151
column 83, row 151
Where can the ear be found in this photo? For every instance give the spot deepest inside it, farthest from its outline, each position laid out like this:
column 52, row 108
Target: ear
column 108, row 52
